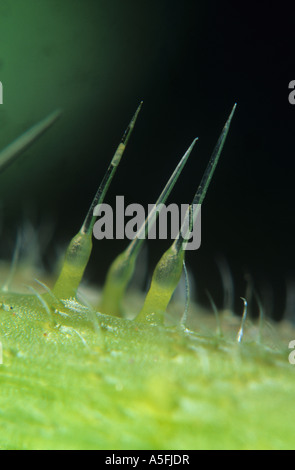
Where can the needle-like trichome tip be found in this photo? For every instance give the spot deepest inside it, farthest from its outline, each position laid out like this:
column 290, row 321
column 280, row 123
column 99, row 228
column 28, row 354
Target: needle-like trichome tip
column 25, row 140
column 122, row 268
column 169, row 269
column 243, row 321
column 79, row 249
column 93, row 211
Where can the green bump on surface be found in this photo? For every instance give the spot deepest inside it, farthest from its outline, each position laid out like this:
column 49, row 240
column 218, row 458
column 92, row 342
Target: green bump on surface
column 165, row 279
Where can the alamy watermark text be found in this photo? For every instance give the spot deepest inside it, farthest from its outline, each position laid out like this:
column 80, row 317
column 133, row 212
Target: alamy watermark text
column 292, row 93
column 162, row 222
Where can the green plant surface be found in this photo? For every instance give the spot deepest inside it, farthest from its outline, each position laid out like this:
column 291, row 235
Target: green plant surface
column 109, row 383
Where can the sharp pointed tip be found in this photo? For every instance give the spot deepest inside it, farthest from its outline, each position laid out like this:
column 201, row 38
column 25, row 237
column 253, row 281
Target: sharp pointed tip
column 232, row 111
column 56, row 114
column 193, row 143
column 134, row 118
column 21, row 143
column 190, row 148
column 243, row 321
column 228, row 122
column 50, row 119
column 139, row 107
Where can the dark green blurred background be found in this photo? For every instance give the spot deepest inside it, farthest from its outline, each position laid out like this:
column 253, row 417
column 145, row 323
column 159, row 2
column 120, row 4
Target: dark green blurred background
column 189, row 61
